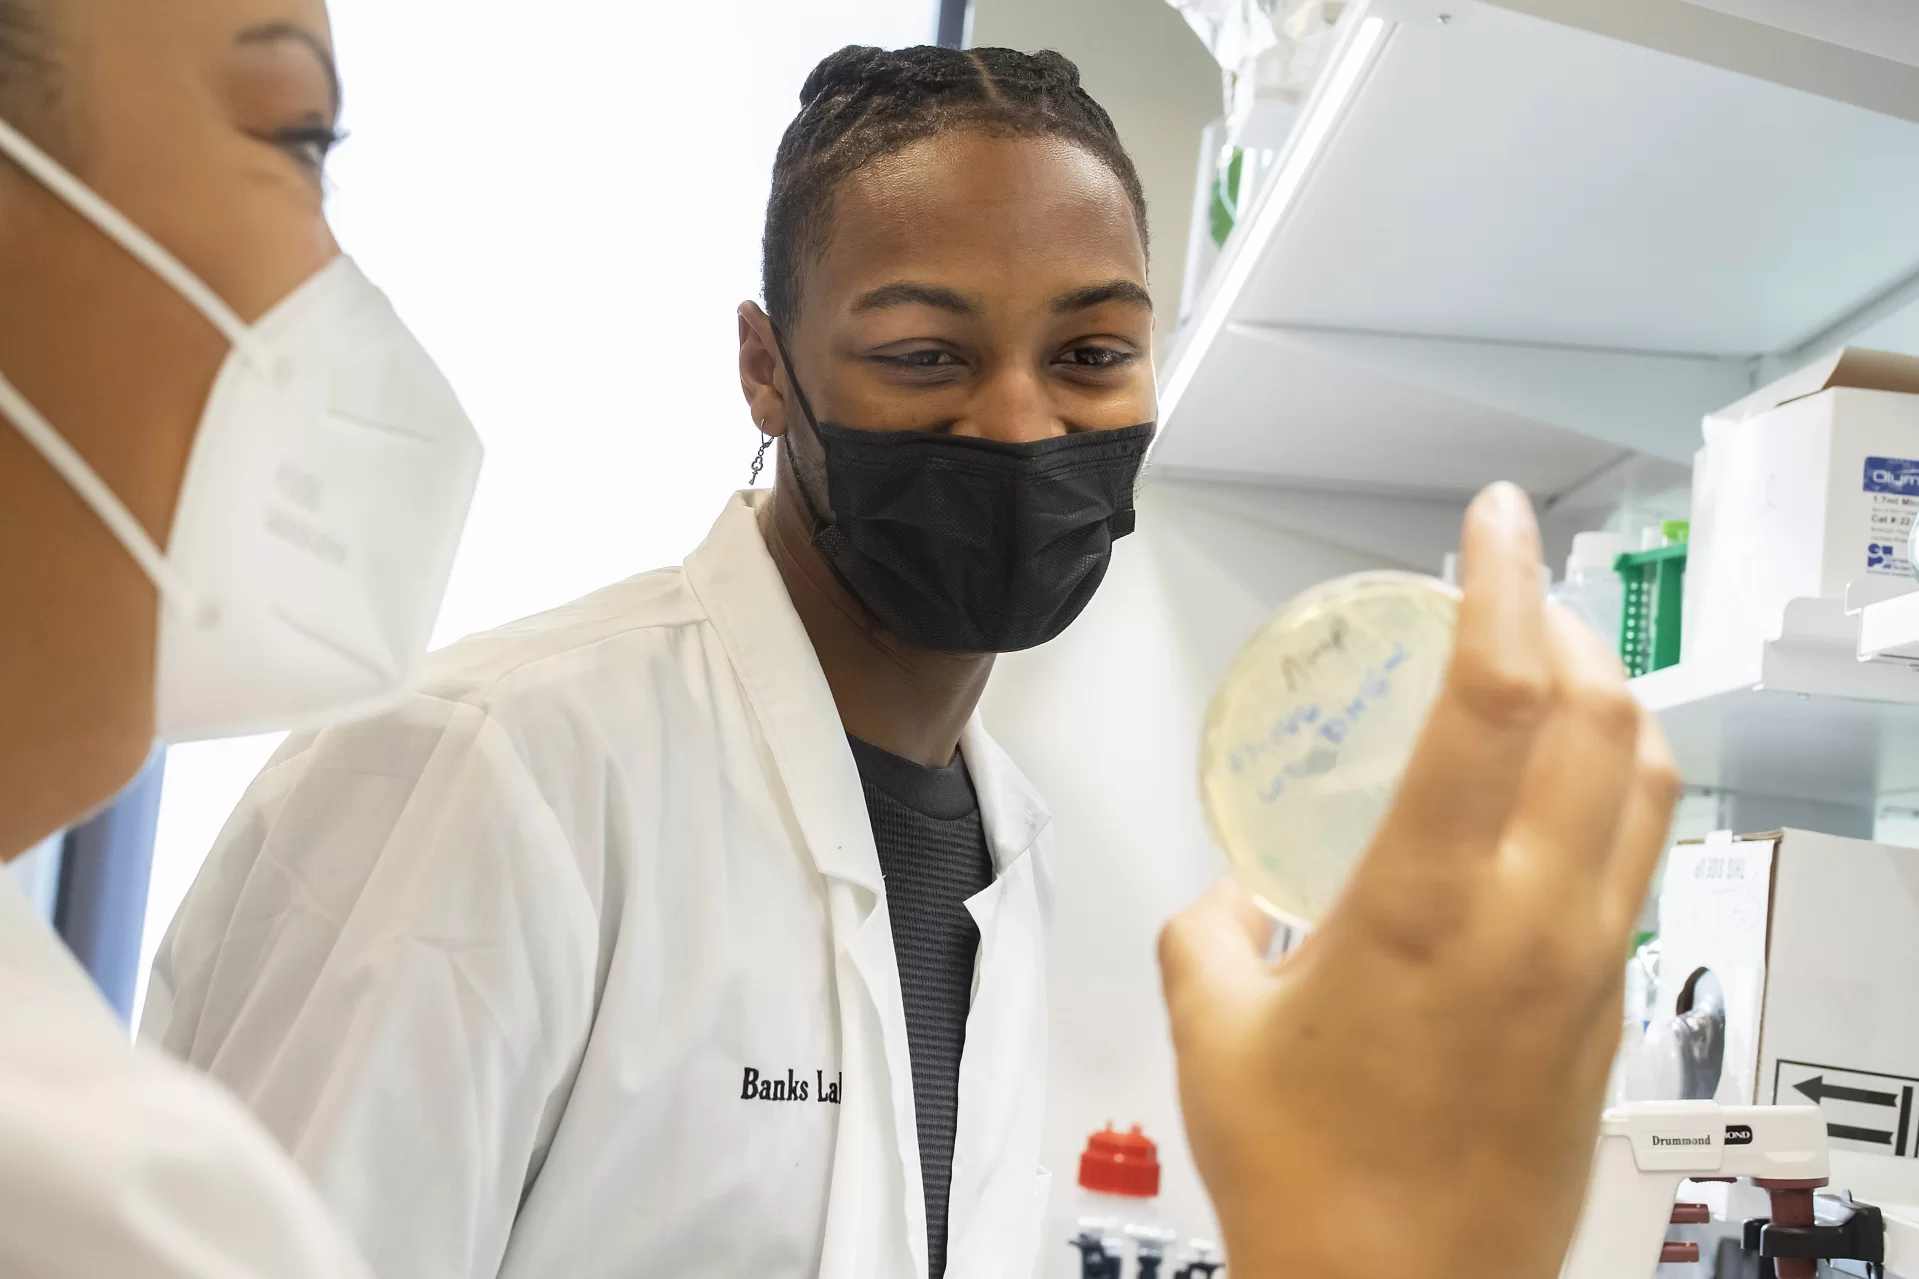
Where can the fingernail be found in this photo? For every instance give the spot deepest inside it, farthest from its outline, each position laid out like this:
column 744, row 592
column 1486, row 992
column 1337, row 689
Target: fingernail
column 1514, row 508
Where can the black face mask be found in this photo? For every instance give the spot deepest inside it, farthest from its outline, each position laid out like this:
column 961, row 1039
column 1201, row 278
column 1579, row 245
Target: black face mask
column 966, row 545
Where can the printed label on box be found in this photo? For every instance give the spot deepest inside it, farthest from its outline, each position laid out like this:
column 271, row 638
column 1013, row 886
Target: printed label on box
column 1892, row 485
column 1864, row 1110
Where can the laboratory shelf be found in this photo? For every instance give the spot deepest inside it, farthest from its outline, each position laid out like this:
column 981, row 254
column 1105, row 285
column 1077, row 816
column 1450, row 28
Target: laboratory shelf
column 1536, row 239
column 1902, row 1241
column 1890, row 627
column 1800, row 723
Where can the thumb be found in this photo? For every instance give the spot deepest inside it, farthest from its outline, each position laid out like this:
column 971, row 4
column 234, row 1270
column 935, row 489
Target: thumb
column 1214, row 949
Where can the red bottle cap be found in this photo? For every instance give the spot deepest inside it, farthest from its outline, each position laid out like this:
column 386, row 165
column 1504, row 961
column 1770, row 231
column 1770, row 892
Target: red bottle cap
column 1120, row 1163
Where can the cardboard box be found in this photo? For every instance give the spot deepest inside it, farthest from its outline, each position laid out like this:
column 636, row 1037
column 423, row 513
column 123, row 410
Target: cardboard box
column 1815, row 941
column 1805, row 489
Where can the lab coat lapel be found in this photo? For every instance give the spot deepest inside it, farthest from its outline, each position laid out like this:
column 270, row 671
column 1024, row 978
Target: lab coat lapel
column 999, row 1192
column 876, row 1217
column 879, row 1208
column 739, row 586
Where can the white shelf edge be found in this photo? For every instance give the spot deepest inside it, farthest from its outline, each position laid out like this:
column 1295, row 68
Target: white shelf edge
column 1890, row 626
column 1799, row 719
column 1685, row 684
column 1902, row 1241
column 1821, row 652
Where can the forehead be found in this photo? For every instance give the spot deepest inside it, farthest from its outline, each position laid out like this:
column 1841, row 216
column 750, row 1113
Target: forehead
column 989, row 215
column 185, row 32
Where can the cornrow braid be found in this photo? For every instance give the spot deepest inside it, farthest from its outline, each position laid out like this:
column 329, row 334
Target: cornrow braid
column 23, row 58
column 862, row 103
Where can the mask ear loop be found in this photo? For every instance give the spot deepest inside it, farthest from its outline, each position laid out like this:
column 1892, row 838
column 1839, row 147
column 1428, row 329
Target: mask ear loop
column 60, row 455
column 806, row 408
column 127, row 530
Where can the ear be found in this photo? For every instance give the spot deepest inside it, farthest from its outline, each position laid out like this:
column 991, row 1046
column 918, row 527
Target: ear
column 762, row 372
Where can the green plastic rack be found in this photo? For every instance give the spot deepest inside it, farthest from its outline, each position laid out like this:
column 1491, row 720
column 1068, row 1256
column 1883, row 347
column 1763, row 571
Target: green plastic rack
column 1655, row 583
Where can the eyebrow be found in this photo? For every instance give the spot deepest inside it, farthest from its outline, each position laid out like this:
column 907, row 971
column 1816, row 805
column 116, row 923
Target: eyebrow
column 1099, row 294
column 910, row 293
column 270, row 32
column 913, row 293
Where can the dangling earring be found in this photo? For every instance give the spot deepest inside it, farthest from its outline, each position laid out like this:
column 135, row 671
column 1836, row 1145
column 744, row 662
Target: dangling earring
column 759, row 459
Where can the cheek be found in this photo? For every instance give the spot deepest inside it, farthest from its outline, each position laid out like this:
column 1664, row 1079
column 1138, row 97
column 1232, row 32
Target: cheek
column 252, row 232
column 252, row 235
column 1134, row 403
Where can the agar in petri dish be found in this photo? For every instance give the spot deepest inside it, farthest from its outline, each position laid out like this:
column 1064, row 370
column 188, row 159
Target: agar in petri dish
column 1309, row 732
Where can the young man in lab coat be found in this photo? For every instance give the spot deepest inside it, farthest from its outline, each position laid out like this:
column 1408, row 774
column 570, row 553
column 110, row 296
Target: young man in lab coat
column 700, row 918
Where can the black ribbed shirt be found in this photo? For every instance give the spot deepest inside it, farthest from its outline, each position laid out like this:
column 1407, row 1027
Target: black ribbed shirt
column 932, row 847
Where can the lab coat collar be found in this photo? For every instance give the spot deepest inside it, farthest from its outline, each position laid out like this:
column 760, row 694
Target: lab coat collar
column 1010, row 808
column 741, row 590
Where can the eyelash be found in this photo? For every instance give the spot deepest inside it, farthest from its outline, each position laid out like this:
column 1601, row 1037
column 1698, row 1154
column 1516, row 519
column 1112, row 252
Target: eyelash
column 309, row 144
column 1107, row 358
column 930, row 358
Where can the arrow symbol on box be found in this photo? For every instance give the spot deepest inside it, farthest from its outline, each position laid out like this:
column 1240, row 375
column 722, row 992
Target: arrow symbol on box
column 1819, row 1090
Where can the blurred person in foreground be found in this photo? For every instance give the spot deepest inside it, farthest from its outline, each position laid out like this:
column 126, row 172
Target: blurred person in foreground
column 219, row 450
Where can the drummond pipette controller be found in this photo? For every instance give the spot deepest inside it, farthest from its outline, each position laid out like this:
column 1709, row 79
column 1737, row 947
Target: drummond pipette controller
column 1647, row 1149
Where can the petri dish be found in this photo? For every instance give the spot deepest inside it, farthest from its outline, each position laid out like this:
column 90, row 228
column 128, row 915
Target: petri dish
column 1310, row 731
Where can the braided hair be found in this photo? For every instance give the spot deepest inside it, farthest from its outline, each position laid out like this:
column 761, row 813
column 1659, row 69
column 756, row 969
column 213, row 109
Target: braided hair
column 23, row 57
column 862, row 104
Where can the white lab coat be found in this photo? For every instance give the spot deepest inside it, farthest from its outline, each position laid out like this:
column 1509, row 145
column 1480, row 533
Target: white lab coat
column 496, row 965
column 117, row 1162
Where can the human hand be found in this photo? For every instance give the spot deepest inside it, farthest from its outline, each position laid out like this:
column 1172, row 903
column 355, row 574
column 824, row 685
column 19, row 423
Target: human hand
column 1415, row 1091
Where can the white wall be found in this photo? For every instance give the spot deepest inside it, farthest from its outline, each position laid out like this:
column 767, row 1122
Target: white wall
column 1888, row 28
column 1898, row 331
column 1106, row 722
column 564, row 200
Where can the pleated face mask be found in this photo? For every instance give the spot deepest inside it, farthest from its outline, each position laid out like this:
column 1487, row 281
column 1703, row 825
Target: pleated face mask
column 968, row 545
column 323, row 500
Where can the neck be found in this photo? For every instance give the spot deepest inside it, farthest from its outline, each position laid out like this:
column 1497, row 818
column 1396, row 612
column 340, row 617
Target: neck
column 910, row 701
column 77, row 617
column 76, row 655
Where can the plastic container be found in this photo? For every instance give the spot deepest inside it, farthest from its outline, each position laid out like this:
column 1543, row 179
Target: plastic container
column 1115, row 1209
column 1198, row 1259
column 1153, row 1248
column 1629, row 1080
column 1592, row 589
column 1308, row 734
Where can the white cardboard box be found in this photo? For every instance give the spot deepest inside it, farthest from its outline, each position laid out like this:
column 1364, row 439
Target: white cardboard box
column 1815, row 941
column 1805, row 489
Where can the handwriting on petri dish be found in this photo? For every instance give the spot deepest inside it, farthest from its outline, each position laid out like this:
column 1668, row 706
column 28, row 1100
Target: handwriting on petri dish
column 1319, row 728
column 1298, row 666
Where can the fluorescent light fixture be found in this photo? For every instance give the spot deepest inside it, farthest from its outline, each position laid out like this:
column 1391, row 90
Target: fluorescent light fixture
column 1309, row 138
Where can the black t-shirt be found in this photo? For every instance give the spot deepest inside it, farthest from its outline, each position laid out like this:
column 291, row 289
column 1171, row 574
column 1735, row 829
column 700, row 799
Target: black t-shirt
column 933, row 855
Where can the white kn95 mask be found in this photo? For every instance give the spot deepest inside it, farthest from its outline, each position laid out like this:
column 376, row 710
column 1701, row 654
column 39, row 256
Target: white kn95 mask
column 322, row 503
